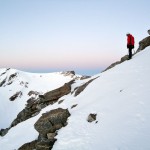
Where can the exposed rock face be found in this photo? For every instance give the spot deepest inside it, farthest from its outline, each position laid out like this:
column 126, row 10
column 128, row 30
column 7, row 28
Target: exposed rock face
column 16, row 95
column 3, row 82
column 124, row 58
column 54, row 95
column 34, row 106
column 52, row 121
column 148, row 32
column 47, row 126
column 35, row 93
column 12, row 76
column 69, row 73
column 28, row 146
column 91, row 117
column 3, row 132
column 144, row 43
column 3, row 73
column 32, row 109
column 84, row 77
column 75, row 105
column 79, row 89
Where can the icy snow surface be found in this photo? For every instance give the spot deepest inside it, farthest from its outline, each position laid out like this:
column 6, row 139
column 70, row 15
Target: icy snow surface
column 121, row 99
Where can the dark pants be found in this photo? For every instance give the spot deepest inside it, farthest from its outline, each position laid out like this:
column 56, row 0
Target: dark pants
column 130, row 47
column 130, row 53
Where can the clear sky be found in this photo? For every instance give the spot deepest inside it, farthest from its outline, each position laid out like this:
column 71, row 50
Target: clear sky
column 59, row 35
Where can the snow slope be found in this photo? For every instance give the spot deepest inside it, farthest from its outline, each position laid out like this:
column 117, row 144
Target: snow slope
column 121, row 99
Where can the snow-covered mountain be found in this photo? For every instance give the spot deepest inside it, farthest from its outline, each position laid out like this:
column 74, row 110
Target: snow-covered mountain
column 108, row 111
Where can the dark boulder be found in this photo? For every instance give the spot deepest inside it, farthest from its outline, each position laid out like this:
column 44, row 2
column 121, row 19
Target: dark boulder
column 51, row 121
column 91, row 117
column 54, row 95
column 16, row 95
column 144, row 43
column 3, row 132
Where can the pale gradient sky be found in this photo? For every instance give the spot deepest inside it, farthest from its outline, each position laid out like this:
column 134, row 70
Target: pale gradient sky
column 58, row 35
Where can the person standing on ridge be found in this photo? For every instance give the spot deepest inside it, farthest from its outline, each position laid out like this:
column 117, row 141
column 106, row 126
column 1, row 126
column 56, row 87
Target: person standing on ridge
column 130, row 44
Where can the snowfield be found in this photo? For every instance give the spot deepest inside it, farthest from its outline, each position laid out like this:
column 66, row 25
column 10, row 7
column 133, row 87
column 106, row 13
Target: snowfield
column 120, row 97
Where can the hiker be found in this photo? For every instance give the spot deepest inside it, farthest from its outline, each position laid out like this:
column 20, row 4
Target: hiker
column 130, row 44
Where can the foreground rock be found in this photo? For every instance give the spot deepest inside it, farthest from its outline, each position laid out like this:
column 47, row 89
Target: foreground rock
column 47, row 126
column 91, row 117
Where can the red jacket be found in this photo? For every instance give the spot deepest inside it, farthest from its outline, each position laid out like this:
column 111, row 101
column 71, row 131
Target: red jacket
column 130, row 40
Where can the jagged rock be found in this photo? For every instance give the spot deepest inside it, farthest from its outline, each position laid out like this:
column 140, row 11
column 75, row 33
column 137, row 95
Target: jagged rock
column 144, row 43
column 25, row 114
column 3, row 73
column 54, row 95
column 124, row 58
column 7, row 69
column 17, row 94
column 25, row 84
column 84, row 77
column 3, row 132
column 60, row 101
column 51, row 136
column 31, row 101
column 12, row 76
column 45, row 144
column 47, row 126
column 33, row 93
column 69, row 73
column 74, row 106
column 148, row 32
column 3, row 82
column 82, row 87
column 91, row 117
column 34, row 106
column 29, row 146
column 51, row 121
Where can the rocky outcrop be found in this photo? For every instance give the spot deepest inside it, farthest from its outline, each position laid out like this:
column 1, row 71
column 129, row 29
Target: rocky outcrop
column 29, row 146
column 35, row 93
column 54, row 95
column 79, row 89
column 47, row 126
column 144, row 43
column 91, row 117
column 148, row 32
column 51, row 121
column 84, row 77
column 124, row 58
column 69, row 73
column 3, row 132
column 3, row 82
column 15, row 96
column 34, row 106
column 10, row 79
column 3, row 73
column 73, row 106
column 32, row 109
